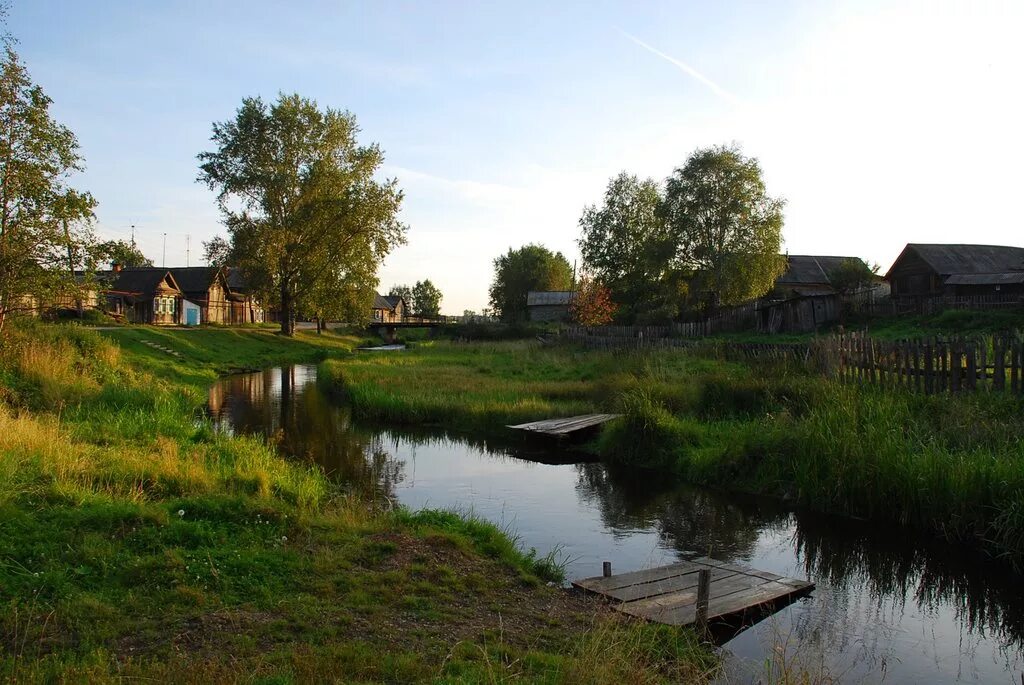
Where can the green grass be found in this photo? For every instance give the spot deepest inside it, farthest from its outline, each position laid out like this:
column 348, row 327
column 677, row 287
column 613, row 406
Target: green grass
column 952, row 466
column 136, row 543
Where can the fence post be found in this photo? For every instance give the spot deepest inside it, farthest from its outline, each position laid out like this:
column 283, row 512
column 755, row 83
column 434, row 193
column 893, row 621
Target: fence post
column 998, row 363
column 929, row 378
column 703, row 594
column 972, row 367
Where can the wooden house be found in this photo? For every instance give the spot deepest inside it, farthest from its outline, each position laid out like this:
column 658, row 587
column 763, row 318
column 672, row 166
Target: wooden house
column 144, row 295
column 389, row 308
column 245, row 305
column 932, row 270
column 207, row 288
column 803, row 298
column 549, row 305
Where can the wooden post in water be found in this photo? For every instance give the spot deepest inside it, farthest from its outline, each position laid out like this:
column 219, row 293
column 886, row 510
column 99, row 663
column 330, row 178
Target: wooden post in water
column 703, row 594
column 606, row 569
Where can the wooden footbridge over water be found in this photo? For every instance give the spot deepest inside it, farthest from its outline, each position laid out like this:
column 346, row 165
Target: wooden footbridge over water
column 695, row 591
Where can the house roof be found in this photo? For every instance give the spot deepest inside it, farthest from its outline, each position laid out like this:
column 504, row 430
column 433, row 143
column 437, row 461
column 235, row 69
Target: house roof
column 195, row 279
column 1005, row 278
column 809, row 269
column 236, row 280
column 966, row 259
column 548, row 297
column 389, row 302
column 144, row 281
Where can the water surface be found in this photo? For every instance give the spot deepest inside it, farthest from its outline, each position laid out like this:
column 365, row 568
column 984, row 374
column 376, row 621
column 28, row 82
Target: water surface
column 888, row 605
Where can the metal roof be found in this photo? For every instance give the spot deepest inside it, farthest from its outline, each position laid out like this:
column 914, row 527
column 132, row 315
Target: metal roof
column 548, row 297
column 194, row 279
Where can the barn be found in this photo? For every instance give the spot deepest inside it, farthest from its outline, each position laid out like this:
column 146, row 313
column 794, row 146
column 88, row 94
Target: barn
column 953, row 270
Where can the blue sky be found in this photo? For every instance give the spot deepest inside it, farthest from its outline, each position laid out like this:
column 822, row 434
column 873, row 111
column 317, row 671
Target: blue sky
column 881, row 123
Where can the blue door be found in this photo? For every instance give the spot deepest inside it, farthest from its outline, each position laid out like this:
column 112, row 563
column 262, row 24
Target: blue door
column 191, row 317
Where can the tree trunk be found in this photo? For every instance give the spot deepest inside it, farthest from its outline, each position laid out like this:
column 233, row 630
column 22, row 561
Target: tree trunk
column 319, row 325
column 287, row 307
column 71, row 269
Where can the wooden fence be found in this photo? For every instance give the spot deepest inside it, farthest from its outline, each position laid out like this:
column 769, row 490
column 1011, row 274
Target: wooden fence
column 931, row 365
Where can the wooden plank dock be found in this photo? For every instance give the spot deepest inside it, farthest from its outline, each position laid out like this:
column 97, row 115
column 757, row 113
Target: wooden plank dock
column 668, row 594
column 562, row 427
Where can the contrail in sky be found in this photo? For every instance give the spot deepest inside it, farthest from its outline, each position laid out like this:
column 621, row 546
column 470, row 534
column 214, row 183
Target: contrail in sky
column 686, row 69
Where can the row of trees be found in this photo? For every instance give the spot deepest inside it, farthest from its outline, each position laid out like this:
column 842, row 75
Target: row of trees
column 423, row 299
column 710, row 236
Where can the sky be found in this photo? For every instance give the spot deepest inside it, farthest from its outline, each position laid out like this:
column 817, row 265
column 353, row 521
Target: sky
column 879, row 122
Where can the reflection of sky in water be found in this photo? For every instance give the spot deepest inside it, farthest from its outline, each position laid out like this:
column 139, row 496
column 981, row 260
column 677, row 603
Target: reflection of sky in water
column 885, row 606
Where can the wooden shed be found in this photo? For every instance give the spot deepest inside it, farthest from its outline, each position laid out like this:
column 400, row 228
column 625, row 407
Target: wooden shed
column 549, row 305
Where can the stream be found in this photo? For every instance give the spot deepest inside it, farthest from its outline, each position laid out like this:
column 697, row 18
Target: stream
column 889, row 606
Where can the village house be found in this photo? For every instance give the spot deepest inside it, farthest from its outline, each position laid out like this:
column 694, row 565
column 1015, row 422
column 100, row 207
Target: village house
column 549, row 305
column 245, row 306
column 206, row 288
column 389, row 308
column 936, row 270
column 804, row 297
column 143, row 295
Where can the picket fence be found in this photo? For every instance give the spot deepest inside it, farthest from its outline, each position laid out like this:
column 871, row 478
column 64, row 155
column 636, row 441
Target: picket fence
column 929, row 365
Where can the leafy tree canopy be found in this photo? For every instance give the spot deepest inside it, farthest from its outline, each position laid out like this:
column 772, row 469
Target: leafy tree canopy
column 724, row 226
column 217, row 251
column 123, row 253
column 301, row 200
column 852, row 275
column 517, row 272
column 625, row 244
column 592, row 303
column 45, row 225
column 426, row 298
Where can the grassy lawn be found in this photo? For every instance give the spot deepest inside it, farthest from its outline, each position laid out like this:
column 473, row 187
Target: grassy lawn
column 137, row 543
column 953, row 466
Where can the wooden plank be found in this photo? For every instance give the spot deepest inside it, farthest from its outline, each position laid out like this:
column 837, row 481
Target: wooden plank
column 566, row 425
column 677, row 583
column 720, row 605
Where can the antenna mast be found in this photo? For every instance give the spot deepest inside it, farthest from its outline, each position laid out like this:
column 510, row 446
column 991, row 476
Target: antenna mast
column 188, row 249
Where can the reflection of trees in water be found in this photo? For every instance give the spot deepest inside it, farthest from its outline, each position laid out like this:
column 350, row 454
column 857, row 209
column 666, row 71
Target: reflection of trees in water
column 861, row 564
column 857, row 559
column 690, row 519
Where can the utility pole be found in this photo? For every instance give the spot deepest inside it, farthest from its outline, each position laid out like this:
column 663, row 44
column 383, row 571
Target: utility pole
column 133, row 235
column 165, row 251
column 188, row 249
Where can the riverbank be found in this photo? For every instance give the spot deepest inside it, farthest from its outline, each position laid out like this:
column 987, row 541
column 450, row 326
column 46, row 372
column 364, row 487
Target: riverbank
column 952, row 466
column 137, row 542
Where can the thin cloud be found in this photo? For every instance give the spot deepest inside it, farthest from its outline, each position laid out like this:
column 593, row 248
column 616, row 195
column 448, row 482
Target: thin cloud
column 686, row 69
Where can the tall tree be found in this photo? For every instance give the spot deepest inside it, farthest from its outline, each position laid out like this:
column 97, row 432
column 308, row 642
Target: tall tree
column 122, row 253
column 299, row 197
column 42, row 219
column 626, row 245
column 517, row 272
column 427, row 297
column 724, row 225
